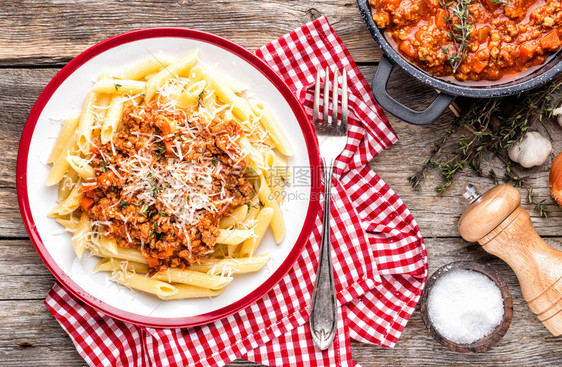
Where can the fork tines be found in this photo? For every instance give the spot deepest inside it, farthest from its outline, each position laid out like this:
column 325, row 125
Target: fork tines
column 325, row 116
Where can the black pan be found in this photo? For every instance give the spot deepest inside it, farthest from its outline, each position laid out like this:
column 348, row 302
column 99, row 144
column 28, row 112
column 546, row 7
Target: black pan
column 449, row 89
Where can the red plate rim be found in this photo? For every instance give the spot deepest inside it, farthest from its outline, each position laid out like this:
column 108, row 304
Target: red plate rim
column 260, row 65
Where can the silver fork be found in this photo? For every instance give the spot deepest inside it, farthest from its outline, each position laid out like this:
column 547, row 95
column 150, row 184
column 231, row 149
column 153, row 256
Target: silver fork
column 332, row 137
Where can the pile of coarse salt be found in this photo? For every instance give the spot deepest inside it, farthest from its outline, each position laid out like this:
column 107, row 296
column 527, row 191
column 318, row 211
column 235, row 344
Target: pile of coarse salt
column 465, row 306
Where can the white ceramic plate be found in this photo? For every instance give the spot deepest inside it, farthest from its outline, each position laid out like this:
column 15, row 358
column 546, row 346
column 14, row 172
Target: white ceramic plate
column 66, row 93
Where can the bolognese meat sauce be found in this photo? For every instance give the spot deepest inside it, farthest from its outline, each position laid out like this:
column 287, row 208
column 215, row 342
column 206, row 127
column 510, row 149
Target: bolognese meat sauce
column 164, row 182
column 505, row 36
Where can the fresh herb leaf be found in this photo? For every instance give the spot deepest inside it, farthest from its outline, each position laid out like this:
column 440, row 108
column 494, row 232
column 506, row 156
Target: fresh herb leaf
column 124, row 204
column 117, row 86
column 457, row 18
column 143, row 210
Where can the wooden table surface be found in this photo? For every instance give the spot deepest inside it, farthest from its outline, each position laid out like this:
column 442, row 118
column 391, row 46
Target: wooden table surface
column 37, row 38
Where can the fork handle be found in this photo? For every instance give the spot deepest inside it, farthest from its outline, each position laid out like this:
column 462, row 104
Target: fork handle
column 323, row 309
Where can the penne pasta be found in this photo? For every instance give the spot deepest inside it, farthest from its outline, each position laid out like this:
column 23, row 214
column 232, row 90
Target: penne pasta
column 277, row 222
column 231, row 84
column 232, row 250
column 250, row 245
column 146, row 67
column 171, row 71
column 221, row 251
column 254, row 155
column 119, row 86
column 67, row 223
column 142, row 283
column 192, row 277
column 68, row 128
column 237, row 215
column 61, row 165
column 69, row 204
column 232, row 266
column 102, row 100
column 81, row 166
column 188, row 291
column 239, row 107
column 272, row 176
column 273, row 129
column 80, row 238
column 112, row 120
column 253, row 210
column 128, row 254
column 68, row 181
column 191, row 95
column 108, row 244
column 276, row 164
column 111, row 264
column 86, row 123
column 234, row 236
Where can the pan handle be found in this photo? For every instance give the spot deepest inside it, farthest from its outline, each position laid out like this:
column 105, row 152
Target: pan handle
column 391, row 105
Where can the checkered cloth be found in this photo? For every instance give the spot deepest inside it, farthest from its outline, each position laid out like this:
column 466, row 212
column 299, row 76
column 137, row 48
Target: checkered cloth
column 379, row 257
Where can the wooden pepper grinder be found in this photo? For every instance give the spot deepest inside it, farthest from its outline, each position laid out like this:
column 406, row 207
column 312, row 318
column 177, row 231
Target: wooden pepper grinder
column 498, row 222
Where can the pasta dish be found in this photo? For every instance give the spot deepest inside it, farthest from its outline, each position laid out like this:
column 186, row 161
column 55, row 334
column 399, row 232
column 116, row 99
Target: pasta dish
column 172, row 177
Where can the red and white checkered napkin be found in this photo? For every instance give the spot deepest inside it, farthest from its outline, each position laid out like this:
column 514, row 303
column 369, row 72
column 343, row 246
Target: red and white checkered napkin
column 379, row 255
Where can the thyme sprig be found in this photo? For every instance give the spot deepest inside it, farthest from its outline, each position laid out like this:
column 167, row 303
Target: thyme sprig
column 491, row 127
column 457, row 18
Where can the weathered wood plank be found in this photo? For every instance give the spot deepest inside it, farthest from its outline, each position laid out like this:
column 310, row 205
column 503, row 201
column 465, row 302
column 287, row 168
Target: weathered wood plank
column 19, row 258
column 21, row 87
column 28, row 332
column 53, row 32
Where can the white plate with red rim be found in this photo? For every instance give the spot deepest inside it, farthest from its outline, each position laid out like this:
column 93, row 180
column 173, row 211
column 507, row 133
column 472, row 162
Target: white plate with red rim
column 66, row 93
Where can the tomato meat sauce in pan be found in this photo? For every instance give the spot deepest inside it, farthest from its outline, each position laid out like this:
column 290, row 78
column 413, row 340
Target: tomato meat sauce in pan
column 501, row 37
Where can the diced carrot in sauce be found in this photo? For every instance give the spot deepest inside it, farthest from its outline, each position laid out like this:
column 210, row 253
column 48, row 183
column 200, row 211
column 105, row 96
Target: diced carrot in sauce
column 440, row 20
column 166, row 130
column 407, row 48
column 483, row 34
column 107, row 179
column 551, row 41
column 152, row 262
column 479, row 65
column 169, row 251
column 528, row 48
column 168, row 145
column 86, row 203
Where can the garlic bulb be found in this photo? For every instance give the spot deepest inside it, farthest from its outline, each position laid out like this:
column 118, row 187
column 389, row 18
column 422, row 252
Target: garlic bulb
column 555, row 180
column 532, row 151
